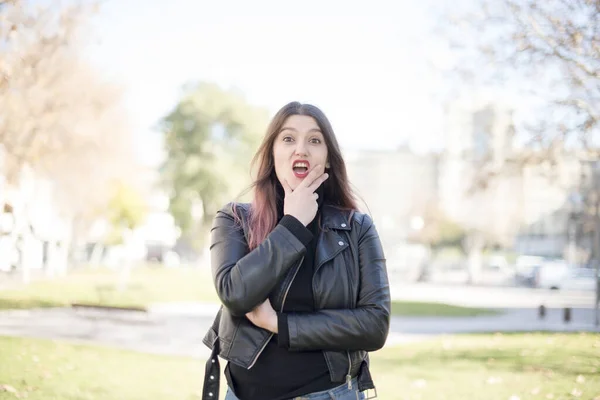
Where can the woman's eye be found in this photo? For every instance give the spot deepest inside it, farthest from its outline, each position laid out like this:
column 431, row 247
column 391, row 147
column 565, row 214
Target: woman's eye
column 287, row 139
column 315, row 141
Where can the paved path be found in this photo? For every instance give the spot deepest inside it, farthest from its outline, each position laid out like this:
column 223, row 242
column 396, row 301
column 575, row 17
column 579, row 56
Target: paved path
column 160, row 334
column 491, row 296
column 178, row 329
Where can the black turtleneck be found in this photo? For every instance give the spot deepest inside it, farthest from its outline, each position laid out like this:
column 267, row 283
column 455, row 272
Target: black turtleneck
column 279, row 373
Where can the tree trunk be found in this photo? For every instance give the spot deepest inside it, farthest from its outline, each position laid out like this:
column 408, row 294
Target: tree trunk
column 596, row 256
column 96, row 254
column 475, row 245
column 127, row 261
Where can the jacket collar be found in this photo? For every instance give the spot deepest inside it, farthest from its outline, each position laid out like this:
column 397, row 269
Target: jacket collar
column 330, row 242
column 334, row 218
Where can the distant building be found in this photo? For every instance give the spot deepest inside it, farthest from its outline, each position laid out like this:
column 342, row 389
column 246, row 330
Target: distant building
column 528, row 207
column 396, row 186
column 477, row 130
column 549, row 212
column 33, row 233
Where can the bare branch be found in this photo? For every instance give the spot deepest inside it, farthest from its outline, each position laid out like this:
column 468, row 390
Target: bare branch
column 77, row 138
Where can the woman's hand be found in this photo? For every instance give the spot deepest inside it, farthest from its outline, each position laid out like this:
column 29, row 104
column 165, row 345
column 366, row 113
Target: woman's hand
column 264, row 316
column 301, row 202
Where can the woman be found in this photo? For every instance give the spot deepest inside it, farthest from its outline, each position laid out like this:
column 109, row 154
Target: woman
column 300, row 272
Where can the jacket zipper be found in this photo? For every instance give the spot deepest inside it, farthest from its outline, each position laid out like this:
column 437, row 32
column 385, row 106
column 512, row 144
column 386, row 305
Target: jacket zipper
column 349, row 375
column 282, row 303
column 290, row 284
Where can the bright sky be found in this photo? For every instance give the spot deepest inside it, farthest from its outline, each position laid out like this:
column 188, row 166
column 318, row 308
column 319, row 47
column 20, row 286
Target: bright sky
column 366, row 67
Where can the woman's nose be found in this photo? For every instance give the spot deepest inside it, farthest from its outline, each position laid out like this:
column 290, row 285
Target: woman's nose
column 301, row 149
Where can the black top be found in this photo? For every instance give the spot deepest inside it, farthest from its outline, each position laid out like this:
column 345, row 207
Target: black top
column 279, row 373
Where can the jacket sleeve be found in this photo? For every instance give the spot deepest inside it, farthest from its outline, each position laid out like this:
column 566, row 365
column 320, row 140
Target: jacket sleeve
column 365, row 327
column 243, row 279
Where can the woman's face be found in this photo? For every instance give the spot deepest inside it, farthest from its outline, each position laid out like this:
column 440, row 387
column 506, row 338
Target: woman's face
column 298, row 148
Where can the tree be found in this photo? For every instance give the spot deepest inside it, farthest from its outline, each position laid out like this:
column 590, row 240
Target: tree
column 548, row 53
column 550, row 50
column 439, row 230
column 126, row 210
column 36, row 89
column 492, row 218
column 484, row 219
column 210, row 137
column 60, row 119
column 47, row 117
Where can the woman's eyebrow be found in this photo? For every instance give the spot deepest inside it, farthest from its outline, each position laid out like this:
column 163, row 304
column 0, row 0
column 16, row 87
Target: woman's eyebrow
column 285, row 128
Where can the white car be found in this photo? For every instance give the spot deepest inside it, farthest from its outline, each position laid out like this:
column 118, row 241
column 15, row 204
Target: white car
column 579, row 279
column 559, row 276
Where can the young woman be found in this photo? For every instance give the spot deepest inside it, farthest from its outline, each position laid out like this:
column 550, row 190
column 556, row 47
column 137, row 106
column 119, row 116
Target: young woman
column 300, row 272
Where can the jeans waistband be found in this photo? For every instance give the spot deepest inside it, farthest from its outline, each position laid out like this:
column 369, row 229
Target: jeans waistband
column 334, row 393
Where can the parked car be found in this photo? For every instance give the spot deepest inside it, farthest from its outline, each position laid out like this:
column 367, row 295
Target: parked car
column 496, row 271
column 526, row 270
column 550, row 274
column 560, row 275
column 577, row 279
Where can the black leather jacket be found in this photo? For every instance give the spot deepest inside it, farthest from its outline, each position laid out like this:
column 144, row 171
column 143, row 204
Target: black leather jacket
column 350, row 286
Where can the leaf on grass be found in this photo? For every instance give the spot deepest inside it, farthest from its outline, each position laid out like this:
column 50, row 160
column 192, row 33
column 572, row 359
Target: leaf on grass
column 535, row 391
column 580, row 379
column 7, row 388
column 548, row 373
column 420, row 383
column 576, row 392
column 447, row 345
column 493, row 380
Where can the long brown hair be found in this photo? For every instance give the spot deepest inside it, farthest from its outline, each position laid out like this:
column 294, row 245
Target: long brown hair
column 336, row 189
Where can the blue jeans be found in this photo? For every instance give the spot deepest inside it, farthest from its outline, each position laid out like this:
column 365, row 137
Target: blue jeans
column 338, row 393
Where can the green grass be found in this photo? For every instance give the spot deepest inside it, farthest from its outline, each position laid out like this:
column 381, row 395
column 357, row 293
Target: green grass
column 492, row 367
column 101, row 286
column 422, row 309
column 153, row 285
column 47, row 370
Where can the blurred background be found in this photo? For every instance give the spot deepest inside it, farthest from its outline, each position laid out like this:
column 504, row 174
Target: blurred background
column 470, row 130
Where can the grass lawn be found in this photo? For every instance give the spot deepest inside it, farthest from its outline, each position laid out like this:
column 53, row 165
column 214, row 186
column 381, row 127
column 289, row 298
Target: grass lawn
column 491, row 367
column 151, row 285
column 422, row 309
column 101, row 286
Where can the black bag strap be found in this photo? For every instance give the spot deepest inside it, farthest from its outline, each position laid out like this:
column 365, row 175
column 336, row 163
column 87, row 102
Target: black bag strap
column 212, row 370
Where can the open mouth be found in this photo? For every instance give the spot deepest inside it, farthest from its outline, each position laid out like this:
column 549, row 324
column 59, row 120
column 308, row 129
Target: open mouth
column 301, row 169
